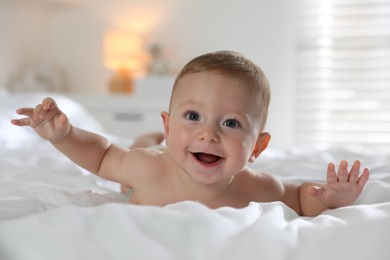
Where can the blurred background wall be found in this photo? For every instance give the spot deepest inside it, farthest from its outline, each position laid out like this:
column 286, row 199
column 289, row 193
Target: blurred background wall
column 70, row 34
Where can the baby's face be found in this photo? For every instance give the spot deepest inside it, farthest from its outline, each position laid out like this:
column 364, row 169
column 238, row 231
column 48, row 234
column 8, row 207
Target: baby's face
column 212, row 127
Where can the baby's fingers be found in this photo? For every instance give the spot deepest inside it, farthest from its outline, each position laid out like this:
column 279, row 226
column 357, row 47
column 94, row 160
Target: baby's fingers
column 38, row 112
column 364, row 177
column 343, row 171
column 25, row 111
column 354, row 172
column 315, row 191
column 21, row 122
column 48, row 103
column 331, row 175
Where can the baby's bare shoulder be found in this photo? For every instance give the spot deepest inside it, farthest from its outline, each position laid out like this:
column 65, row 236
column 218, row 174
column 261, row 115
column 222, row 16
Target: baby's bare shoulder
column 263, row 186
column 260, row 178
column 144, row 164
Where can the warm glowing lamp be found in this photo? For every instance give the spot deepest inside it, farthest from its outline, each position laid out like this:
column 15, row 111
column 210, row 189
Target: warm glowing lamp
column 122, row 54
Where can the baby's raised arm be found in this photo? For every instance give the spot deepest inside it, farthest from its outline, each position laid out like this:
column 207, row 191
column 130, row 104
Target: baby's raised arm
column 86, row 149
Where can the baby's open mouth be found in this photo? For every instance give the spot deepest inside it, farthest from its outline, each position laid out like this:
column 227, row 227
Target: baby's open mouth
column 207, row 158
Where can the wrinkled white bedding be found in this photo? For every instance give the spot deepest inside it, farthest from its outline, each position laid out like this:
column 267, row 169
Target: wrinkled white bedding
column 52, row 209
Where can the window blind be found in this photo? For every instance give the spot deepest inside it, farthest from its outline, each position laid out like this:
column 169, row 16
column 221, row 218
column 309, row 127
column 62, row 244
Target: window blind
column 343, row 73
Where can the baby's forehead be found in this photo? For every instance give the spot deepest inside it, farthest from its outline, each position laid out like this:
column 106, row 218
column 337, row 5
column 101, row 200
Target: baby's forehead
column 239, row 90
column 243, row 84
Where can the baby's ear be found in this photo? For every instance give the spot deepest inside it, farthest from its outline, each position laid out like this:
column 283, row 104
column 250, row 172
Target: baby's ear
column 165, row 118
column 261, row 143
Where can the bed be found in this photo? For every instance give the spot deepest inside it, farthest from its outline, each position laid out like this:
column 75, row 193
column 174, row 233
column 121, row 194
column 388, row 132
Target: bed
column 52, row 209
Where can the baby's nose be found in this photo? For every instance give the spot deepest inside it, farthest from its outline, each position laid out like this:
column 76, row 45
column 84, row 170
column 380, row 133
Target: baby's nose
column 208, row 134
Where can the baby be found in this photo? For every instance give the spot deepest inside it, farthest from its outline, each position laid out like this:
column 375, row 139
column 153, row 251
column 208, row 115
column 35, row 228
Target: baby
column 214, row 128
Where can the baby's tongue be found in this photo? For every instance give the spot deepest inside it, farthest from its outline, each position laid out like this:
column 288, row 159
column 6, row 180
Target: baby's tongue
column 207, row 158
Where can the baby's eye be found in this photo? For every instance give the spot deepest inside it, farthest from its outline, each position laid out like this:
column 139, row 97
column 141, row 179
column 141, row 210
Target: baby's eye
column 233, row 123
column 192, row 115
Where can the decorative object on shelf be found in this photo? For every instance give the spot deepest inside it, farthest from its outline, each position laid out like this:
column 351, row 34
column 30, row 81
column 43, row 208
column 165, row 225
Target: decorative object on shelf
column 158, row 65
column 121, row 81
column 124, row 55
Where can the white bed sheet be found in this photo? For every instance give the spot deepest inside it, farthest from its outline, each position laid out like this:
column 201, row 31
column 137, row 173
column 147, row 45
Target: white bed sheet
column 52, row 209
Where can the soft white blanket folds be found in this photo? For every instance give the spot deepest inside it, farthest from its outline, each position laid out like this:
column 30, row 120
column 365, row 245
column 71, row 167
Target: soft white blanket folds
column 189, row 230
column 52, row 209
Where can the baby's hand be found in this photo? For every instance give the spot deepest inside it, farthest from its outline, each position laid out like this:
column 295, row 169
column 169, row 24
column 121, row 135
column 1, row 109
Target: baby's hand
column 46, row 119
column 342, row 188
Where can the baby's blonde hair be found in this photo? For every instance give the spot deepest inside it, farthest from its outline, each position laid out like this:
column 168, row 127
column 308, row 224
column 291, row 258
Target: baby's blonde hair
column 233, row 64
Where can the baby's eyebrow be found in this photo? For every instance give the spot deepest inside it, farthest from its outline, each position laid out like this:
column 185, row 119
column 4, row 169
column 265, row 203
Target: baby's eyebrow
column 242, row 117
column 189, row 103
